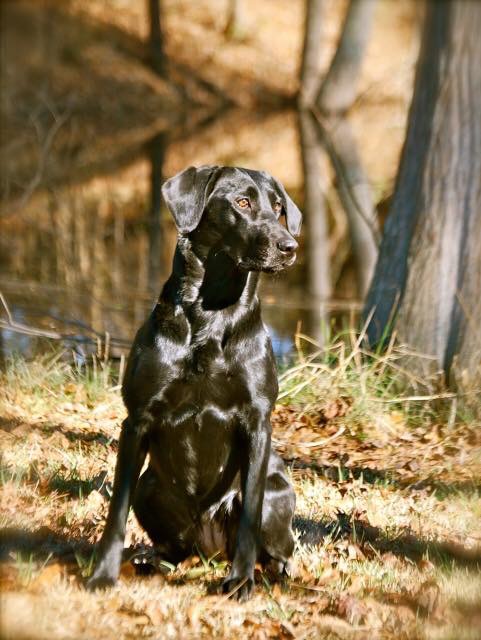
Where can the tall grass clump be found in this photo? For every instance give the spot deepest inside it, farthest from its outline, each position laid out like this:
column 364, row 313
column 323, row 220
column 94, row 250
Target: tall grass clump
column 62, row 374
column 376, row 388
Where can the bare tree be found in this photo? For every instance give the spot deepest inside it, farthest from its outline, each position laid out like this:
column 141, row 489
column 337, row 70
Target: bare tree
column 428, row 277
column 339, row 88
column 311, row 52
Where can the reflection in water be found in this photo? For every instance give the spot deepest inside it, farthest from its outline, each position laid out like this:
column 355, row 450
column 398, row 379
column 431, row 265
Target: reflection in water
column 89, row 132
column 90, row 258
column 157, row 148
column 85, row 241
column 356, row 196
column 319, row 281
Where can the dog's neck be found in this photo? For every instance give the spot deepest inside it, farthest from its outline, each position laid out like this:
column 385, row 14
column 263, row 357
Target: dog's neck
column 209, row 280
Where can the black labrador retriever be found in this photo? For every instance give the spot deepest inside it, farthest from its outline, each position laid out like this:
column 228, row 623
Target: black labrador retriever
column 201, row 383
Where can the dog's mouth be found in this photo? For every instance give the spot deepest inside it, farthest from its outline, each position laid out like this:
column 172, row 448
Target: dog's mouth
column 267, row 266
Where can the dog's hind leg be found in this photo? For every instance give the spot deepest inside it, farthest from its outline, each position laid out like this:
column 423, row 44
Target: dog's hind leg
column 146, row 506
column 169, row 526
column 276, row 543
column 277, row 538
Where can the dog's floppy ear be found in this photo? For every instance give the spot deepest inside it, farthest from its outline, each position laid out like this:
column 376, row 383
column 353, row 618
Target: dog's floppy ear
column 186, row 194
column 291, row 211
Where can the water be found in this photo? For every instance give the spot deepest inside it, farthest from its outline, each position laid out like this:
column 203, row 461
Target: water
column 85, row 241
column 88, row 258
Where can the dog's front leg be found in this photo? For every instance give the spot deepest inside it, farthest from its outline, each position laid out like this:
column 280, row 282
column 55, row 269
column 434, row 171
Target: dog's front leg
column 253, row 481
column 130, row 458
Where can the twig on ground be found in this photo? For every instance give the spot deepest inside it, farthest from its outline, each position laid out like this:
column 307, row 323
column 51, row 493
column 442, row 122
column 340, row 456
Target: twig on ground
column 317, row 443
column 23, row 328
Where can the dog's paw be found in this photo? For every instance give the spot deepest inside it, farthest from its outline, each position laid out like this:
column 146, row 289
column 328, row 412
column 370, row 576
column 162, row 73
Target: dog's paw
column 149, row 561
column 100, row 580
column 276, row 570
column 240, row 588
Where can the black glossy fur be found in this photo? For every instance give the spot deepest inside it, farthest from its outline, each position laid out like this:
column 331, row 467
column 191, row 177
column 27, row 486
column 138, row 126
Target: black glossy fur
column 201, row 383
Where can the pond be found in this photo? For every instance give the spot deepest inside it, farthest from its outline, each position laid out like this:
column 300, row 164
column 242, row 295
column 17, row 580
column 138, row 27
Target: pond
column 85, row 240
column 87, row 255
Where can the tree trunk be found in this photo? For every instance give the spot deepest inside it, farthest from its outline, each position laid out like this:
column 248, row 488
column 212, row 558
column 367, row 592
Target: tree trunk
column 339, row 89
column 356, row 197
column 311, row 52
column 317, row 238
column 429, row 269
column 156, row 39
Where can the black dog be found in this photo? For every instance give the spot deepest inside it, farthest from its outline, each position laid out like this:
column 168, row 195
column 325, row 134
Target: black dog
column 201, row 383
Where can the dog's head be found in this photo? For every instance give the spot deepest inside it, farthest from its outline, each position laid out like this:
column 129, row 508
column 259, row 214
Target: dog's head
column 238, row 211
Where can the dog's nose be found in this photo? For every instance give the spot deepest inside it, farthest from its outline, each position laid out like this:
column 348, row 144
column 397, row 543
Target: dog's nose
column 287, row 246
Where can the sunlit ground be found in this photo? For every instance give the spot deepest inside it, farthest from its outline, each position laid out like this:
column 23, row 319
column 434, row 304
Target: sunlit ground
column 387, row 518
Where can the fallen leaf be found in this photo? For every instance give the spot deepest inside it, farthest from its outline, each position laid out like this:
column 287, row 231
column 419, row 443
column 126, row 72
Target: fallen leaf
column 127, row 571
column 328, row 576
column 352, row 552
column 425, row 565
column 335, row 625
column 94, row 500
column 8, row 577
column 193, row 613
column 357, row 584
column 49, row 574
column 276, row 591
column 188, row 563
column 427, row 597
column 352, row 609
column 140, row 619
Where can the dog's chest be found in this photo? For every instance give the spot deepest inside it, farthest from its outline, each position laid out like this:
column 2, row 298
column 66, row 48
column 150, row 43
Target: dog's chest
column 195, row 424
column 193, row 437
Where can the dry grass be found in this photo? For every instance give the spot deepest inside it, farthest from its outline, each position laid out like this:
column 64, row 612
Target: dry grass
column 387, row 526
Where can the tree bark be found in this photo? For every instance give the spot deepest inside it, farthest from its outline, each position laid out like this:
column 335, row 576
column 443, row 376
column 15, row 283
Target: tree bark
column 339, row 89
column 311, row 52
column 428, row 277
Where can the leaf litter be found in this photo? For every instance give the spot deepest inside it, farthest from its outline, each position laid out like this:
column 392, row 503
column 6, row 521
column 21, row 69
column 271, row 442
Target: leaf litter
column 387, row 527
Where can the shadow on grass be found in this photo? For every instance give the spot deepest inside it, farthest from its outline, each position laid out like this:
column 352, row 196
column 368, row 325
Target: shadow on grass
column 20, row 428
column 405, row 544
column 311, row 532
column 77, row 488
column 41, row 545
column 44, row 543
column 77, row 435
column 385, row 477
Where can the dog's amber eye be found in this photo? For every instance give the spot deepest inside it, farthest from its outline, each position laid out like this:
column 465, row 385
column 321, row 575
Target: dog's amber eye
column 277, row 207
column 243, row 203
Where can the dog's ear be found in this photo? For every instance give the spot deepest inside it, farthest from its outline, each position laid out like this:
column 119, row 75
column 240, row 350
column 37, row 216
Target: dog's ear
column 186, row 194
column 291, row 211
